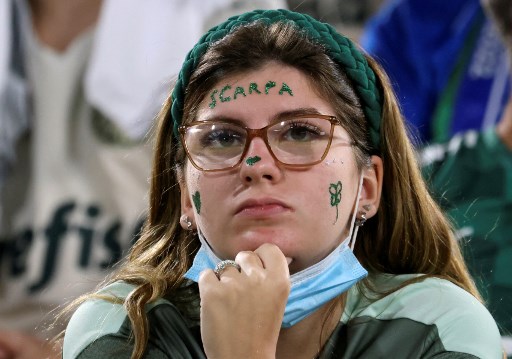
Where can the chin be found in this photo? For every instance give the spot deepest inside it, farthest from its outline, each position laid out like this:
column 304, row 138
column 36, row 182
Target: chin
column 255, row 237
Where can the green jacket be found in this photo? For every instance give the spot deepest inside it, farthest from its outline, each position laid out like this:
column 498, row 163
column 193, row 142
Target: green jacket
column 471, row 176
column 432, row 318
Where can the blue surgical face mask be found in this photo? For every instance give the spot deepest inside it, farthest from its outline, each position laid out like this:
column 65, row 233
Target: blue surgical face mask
column 310, row 288
column 204, row 259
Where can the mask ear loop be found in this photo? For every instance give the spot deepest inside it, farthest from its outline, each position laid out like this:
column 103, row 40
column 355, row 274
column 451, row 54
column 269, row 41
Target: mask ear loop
column 353, row 232
column 209, row 250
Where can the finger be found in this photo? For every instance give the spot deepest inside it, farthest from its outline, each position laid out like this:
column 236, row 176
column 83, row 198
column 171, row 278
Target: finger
column 249, row 262
column 208, row 285
column 207, row 276
column 210, row 275
column 273, row 259
column 228, row 273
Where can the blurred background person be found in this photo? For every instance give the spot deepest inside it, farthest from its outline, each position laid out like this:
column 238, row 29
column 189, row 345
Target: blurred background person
column 80, row 83
column 454, row 75
column 347, row 16
column 450, row 64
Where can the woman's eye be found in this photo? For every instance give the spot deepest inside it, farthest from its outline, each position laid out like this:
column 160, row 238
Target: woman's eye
column 222, row 138
column 302, row 132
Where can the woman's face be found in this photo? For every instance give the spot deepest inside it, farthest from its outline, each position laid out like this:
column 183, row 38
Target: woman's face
column 306, row 212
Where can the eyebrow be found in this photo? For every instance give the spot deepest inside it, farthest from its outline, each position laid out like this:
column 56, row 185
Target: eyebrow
column 276, row 118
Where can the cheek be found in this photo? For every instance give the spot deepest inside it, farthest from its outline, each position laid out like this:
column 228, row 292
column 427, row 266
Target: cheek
column 206, row 193
column 191, row 174
column 195, row 188
column 336, row 190
column 327, row 190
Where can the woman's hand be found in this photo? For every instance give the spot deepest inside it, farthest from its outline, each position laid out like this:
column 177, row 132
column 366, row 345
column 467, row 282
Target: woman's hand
column 241, row 313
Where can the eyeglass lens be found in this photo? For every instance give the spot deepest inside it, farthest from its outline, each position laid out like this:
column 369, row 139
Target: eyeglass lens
column 294, row 141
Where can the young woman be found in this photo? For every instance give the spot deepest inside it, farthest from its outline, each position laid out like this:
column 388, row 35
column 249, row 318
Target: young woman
column 281, row 139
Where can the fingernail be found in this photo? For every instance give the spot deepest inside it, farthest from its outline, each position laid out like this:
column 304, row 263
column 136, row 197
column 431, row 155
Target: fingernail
column 289, row 260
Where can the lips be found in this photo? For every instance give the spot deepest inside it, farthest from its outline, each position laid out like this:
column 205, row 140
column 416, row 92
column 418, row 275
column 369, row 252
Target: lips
column 261, row 207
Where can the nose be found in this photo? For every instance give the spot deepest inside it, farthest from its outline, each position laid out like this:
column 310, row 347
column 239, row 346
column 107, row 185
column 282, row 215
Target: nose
column 259, row 165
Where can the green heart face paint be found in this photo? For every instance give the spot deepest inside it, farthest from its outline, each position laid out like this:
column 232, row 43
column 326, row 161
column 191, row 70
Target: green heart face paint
column 335, row 191
column 196, row 198
column 252, row 160
column 225, row 94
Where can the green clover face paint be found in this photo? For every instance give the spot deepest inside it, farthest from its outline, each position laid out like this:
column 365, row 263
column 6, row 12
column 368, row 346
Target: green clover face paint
column 196, row 198
column 252, row 160
column 335, row 191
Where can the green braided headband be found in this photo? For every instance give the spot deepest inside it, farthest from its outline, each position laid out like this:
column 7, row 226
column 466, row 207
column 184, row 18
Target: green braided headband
column 339, row 48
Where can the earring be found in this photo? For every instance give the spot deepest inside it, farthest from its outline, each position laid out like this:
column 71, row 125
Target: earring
column 360, row 221
column 186, row 221
column 367, row 207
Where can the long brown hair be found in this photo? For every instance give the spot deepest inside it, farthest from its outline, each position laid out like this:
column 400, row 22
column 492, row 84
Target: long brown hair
column 409, row 234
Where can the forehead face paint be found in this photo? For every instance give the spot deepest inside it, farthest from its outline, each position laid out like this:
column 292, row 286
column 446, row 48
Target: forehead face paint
column 196, row 198
column 226, row 94
column 221, row 95
column 252, row 160
column 239, row 91
column 335, row 192
column 286, row 88
column 253, row 87
column 268, row 86
column 212, row 97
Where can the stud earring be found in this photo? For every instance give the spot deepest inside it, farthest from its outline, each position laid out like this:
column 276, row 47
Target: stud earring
column 360, row 221
column 367, row 207
column 186, row 221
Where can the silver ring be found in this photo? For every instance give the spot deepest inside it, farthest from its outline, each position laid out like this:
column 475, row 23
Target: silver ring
column 219, row 268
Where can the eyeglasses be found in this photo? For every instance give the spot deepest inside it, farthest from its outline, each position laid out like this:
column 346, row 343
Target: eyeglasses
column 297, row 141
